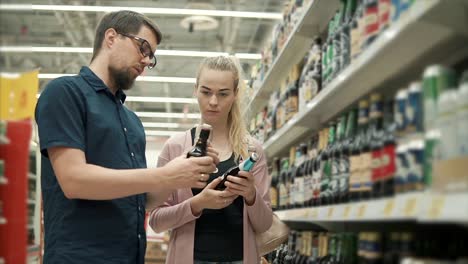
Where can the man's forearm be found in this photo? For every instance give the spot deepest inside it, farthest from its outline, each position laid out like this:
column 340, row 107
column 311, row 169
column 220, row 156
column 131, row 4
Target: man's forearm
column 93, row 182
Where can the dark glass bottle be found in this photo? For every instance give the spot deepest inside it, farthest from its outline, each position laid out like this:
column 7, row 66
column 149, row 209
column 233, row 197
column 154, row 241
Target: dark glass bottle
column 337, row 156
column 360, row 153
column 246, row 165
column 375, row 135
column 199, row 150
column 283, row 188
column 346, row 148
column 299, row 179
column 389, row 152
column 274, row 193
column 325, row 192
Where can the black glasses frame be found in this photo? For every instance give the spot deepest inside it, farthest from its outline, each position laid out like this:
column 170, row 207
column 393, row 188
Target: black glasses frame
column 146, row 52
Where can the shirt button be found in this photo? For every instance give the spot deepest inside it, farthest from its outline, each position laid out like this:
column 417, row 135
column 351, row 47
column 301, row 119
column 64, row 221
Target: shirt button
column 125, row 129
column 139, row 236
column 133, row 155
column 139, row 208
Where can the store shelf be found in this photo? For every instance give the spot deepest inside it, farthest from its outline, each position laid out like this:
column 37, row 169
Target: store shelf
column 3, row 220
column 417, row 206
column 399, row 54
column 3, row 180
column 313, row 21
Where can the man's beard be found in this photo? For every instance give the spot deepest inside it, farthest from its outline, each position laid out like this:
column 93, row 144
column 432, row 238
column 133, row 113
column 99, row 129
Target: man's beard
column 122, row 78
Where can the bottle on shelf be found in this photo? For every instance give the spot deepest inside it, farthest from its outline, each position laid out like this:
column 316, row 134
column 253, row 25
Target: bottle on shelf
column 274, row 192
column 376, row 144
column 345, row 170
column 360, row 153
column 388, row 166
column 283, row 184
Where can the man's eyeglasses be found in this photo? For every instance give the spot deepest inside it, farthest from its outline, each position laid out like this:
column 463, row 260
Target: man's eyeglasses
column 145, row 48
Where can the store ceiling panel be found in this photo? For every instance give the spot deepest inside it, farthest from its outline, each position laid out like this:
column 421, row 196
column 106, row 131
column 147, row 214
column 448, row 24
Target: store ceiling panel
column 48, row 28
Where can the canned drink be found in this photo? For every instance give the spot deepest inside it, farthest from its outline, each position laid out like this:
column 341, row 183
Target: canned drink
column 430, row 146
column 436, row 79
column 414, row 108
column 402, row 166
column 447, row 124
column 415, row 165
column 462, row 119
column 400, row 111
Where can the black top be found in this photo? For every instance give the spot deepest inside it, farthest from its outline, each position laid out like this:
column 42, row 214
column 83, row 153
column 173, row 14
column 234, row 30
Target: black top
column 80, row 112
column 219, row 232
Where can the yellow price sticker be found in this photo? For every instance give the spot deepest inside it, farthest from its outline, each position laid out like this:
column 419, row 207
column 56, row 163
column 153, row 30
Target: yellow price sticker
column 313, row 213
column 361, row 210
column 410, row 207
column 346, row 212
column 435, row 209
column 330, row 212
column 388, row 208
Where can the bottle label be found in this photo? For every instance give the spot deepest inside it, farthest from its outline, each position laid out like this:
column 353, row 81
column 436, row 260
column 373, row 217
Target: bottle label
column 376, row 165
column 366, row 171
column 371, row 20
column 388, row 162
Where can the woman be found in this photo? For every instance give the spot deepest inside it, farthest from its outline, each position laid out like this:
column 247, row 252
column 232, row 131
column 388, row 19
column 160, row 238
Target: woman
column 211, row 226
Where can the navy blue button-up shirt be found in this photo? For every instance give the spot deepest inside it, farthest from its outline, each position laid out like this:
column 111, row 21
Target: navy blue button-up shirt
column 80, row 112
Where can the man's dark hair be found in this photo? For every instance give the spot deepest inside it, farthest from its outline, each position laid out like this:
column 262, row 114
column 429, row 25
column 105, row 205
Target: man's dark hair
column 124, row 21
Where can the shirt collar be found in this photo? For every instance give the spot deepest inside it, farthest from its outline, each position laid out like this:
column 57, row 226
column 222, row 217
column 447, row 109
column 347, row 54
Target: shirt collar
column 98, row 85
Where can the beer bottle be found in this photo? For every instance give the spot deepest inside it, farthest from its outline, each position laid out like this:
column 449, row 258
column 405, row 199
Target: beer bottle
column 199, row 150
column 274, row 194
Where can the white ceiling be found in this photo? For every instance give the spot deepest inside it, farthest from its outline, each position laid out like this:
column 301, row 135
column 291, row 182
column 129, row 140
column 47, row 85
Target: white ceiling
column 76, row 29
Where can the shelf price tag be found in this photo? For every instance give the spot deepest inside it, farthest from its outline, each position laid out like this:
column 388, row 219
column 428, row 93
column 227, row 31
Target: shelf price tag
column 312, row 213
column 330, row 212
column 347, row 211
column 388, row 208
column 361, row 210
column 410, row 206
column 436, row 207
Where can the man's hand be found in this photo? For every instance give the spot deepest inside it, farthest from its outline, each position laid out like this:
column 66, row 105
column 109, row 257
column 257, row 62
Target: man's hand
column 189, row 173
column 210, row 198
column 242, row 185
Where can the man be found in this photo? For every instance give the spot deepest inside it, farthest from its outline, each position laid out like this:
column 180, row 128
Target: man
column 94, row 175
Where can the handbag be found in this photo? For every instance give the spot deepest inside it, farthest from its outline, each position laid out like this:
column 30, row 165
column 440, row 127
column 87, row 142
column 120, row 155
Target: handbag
column 276, row 235
column 271, row 239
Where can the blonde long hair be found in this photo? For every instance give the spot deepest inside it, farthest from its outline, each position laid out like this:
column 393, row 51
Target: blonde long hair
column 238, row 135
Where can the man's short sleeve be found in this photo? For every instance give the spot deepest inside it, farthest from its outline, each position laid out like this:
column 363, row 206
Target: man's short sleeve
column 60, row 116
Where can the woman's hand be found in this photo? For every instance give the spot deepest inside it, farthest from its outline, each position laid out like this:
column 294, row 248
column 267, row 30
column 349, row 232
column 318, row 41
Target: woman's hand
column 243, row 185
column 209, row 198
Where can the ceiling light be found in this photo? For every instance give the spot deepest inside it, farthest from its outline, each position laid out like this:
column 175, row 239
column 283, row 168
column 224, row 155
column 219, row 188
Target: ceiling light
column 161, row 52
column 139, row 78
column 161, row 133
column 157, row 124
column 145, row 10
column 167, row 115
column 160, row 99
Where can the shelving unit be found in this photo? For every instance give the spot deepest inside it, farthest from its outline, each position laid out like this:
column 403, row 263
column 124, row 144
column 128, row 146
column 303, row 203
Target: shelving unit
column 430, row 32
column 418, row 206
column 313, row 21
column 399, row 54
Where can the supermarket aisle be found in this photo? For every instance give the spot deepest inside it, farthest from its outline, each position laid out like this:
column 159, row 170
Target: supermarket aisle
column 361, row 105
